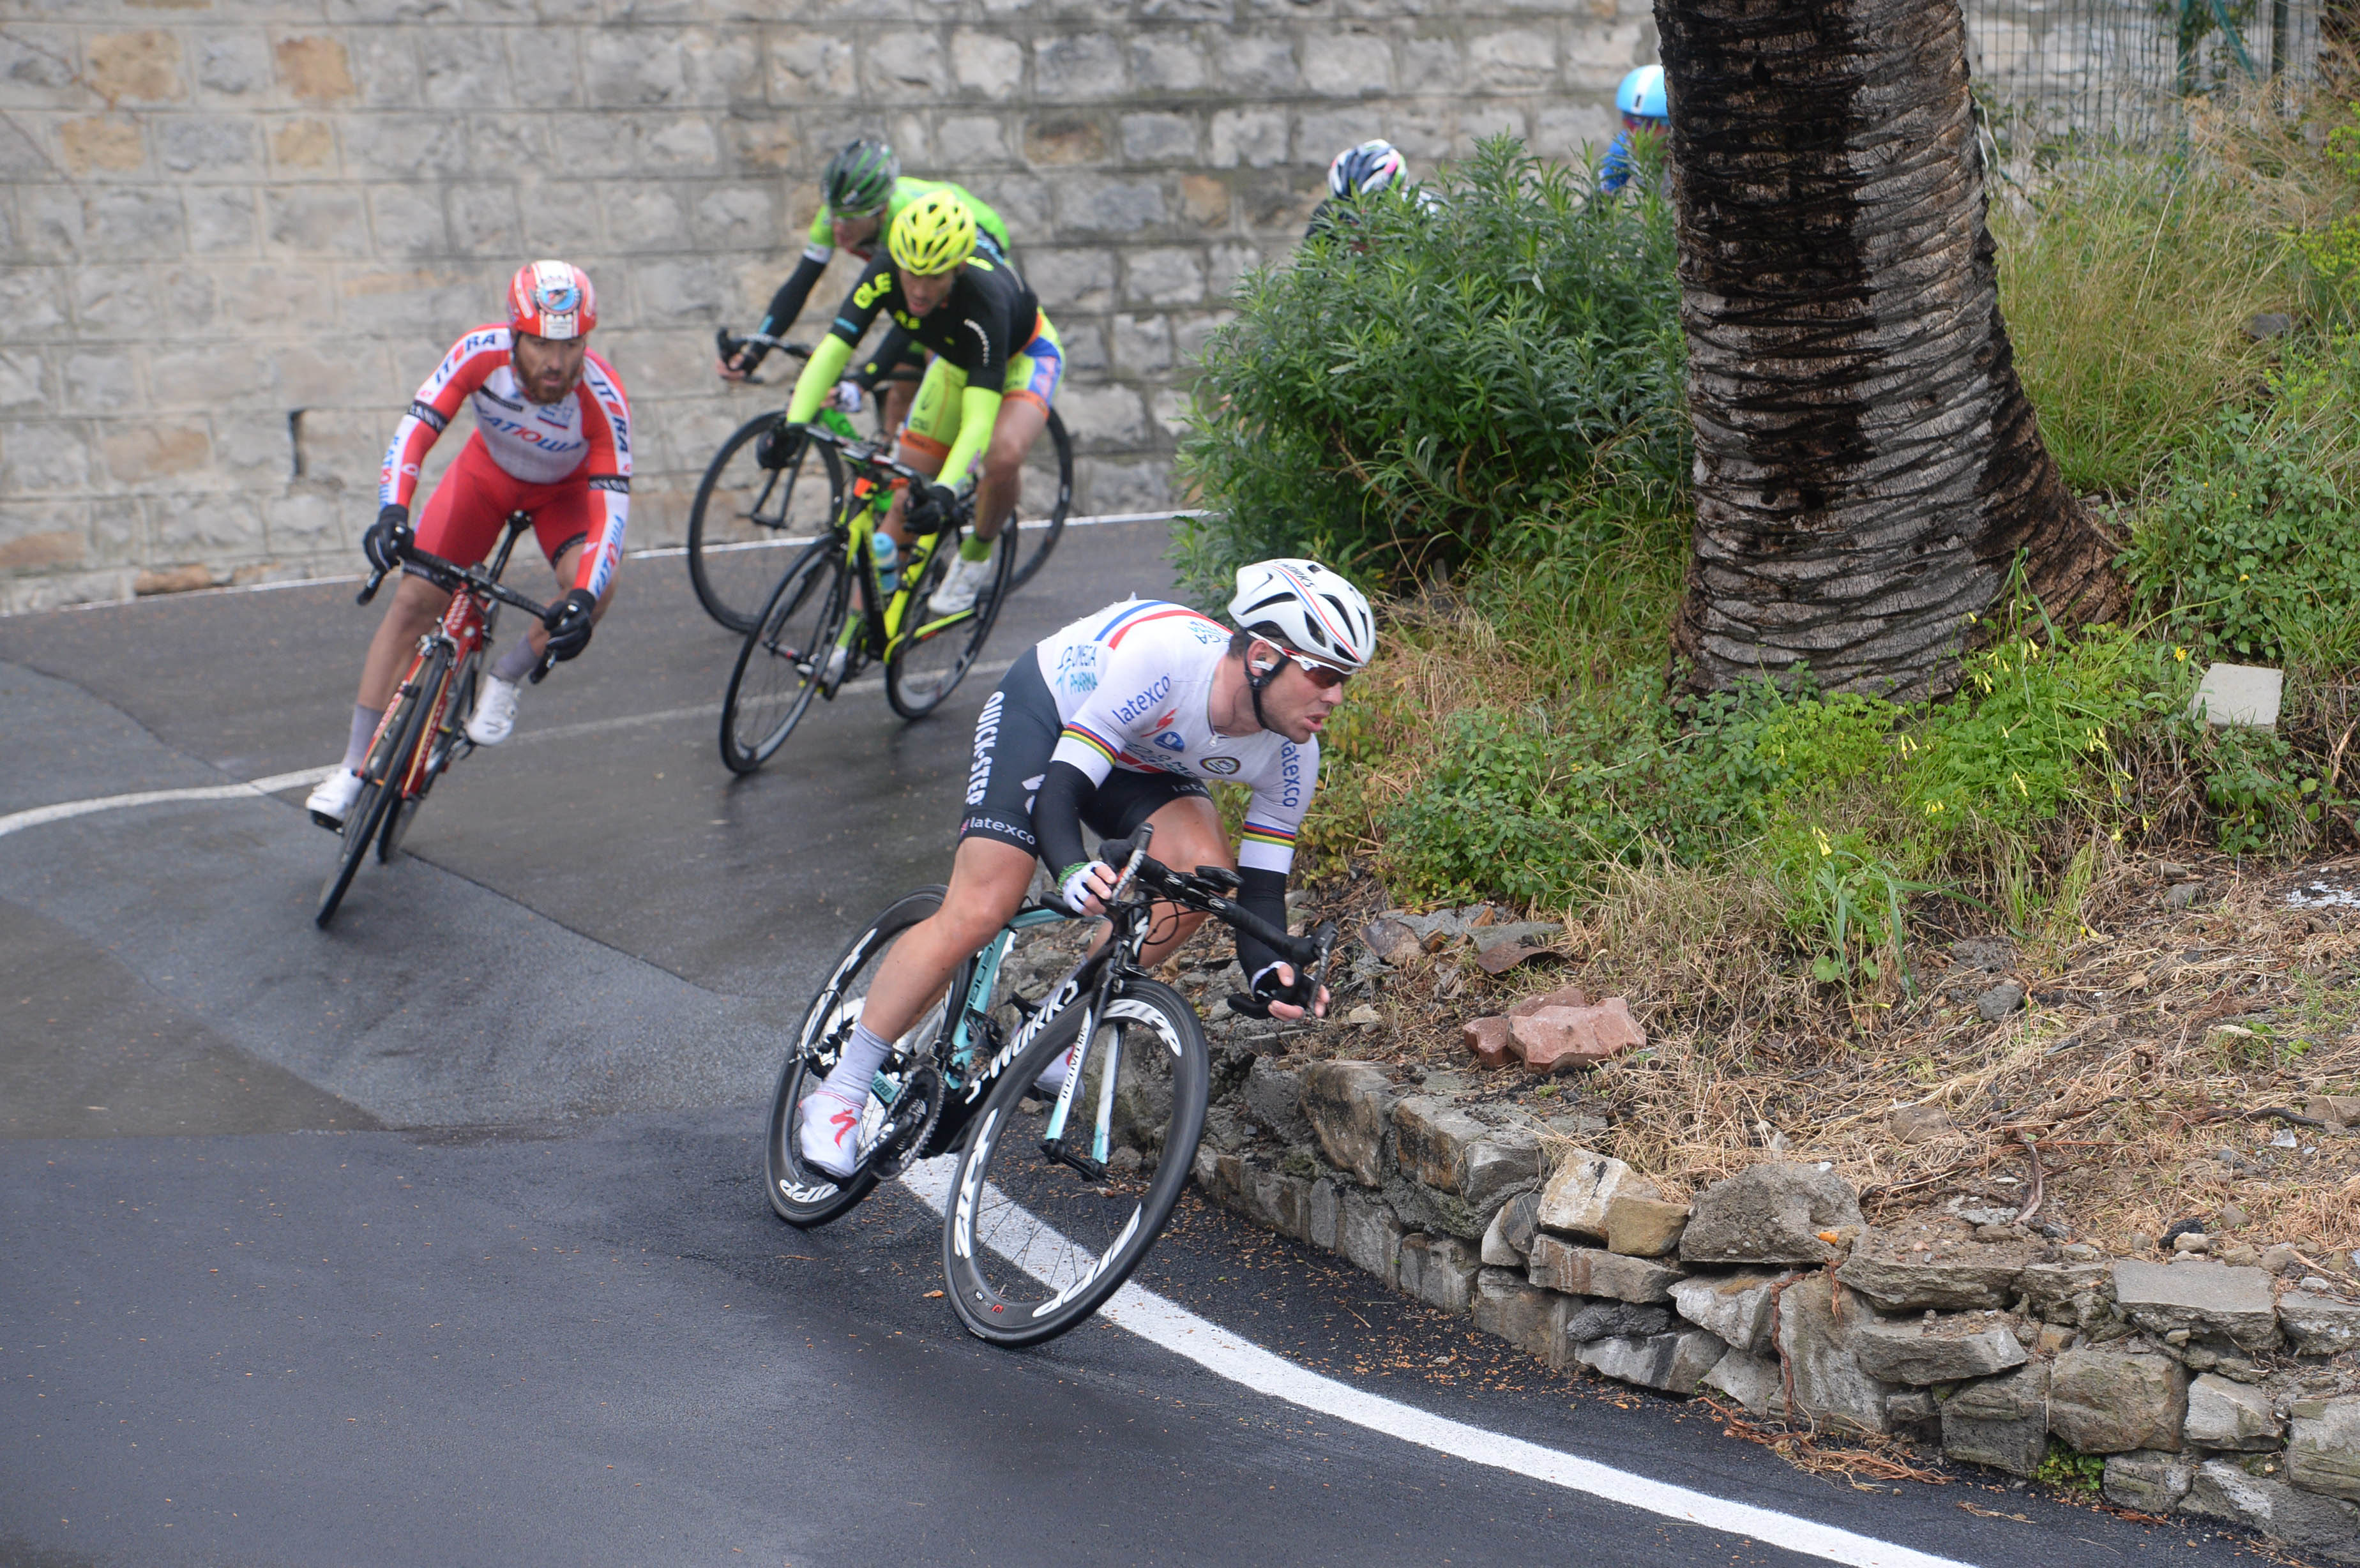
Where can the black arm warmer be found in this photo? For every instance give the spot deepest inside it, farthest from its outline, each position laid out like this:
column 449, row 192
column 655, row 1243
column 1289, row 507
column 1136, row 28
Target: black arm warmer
column 889, row 353
column 1057, row 816
column 788, row 302
column 1263, row 893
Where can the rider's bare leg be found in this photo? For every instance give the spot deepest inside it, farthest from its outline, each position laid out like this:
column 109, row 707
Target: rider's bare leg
column 1020, row 424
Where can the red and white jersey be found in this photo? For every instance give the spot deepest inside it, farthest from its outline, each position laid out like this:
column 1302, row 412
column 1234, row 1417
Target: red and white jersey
column 586, row 435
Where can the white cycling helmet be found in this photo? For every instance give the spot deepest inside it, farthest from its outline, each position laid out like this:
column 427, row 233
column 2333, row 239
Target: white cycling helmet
column 1307, row 607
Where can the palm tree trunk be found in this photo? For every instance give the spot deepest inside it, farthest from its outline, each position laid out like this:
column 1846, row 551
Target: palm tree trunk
column 1867, row 465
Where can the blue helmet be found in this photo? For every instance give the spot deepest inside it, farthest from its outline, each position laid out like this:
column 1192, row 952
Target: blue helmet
column 1641, row 94
column 1372, row 165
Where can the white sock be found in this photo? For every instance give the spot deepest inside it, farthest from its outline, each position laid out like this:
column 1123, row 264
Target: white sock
column 364, row 723
column 864, row 1053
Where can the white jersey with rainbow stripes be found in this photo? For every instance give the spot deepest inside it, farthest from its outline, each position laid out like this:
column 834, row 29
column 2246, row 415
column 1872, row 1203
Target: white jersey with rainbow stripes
column 1132, row 684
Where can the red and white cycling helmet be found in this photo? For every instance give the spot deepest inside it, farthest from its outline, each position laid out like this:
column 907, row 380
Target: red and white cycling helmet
column 1304, row 607
column 552, row 300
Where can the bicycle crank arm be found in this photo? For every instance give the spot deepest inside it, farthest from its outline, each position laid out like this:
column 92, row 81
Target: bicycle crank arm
column 1055, row 1149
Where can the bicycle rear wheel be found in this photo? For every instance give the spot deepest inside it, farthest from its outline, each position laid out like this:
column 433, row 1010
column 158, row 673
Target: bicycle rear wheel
column 1035, row 540
column 799, row 1194
column 924, row 668
column 784, row 661
column 745, row 516
column 440, row 746
column 381, row 776
column 1032, row 1247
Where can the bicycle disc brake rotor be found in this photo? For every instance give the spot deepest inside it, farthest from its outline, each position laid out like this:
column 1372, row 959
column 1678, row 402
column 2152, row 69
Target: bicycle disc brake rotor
column 908, row 1121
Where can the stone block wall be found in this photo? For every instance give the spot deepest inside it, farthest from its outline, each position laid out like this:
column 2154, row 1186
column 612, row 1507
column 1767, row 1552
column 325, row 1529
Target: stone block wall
column 238, row 233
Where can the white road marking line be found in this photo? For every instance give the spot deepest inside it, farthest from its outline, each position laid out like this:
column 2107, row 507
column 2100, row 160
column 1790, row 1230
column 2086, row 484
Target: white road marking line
column 653, row 552
column 17, row 822
column 1173, row 1327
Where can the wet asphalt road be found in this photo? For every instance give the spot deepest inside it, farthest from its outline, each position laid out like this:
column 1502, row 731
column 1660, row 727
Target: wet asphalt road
column 439, row 1237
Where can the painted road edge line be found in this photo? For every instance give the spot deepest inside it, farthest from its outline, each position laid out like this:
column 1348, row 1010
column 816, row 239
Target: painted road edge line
column 17, row 822
column 1170, row 1326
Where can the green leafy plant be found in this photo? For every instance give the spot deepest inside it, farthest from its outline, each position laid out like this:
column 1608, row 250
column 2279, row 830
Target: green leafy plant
column 2070, row 1471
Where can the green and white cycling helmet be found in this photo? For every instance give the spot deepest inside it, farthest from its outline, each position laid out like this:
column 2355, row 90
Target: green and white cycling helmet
column 859, row 179
column 1304, row 607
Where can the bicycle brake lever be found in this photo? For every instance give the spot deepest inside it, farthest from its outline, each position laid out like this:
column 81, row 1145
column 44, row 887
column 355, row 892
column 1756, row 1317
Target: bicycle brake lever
column 377, row 578
column 542, row 665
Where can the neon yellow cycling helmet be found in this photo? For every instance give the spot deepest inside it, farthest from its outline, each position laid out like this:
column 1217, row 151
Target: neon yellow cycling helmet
column 933, row 235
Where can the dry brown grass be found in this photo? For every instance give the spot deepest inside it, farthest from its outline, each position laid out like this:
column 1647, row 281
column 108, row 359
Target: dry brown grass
column 2121, row 1073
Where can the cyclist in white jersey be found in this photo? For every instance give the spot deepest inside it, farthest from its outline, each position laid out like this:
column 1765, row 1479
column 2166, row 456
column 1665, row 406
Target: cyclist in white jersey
column 1118, row 719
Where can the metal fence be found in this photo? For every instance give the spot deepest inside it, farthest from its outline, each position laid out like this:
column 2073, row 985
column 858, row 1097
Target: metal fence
column 2119, row 70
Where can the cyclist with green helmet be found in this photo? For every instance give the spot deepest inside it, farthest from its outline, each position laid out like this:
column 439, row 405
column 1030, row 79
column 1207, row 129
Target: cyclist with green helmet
column 985, row 397
column 861, row 191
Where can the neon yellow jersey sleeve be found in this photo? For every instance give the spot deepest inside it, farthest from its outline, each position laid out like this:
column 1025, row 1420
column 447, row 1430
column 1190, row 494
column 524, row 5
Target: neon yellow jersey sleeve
column 979, row 410
column 826, row 362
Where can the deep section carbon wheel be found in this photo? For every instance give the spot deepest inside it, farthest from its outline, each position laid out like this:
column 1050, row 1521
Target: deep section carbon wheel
column 783, row 664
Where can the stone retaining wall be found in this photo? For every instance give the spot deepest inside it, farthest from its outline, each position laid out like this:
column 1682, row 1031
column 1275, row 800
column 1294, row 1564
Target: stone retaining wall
column 238, row 233
column 2211, row 1390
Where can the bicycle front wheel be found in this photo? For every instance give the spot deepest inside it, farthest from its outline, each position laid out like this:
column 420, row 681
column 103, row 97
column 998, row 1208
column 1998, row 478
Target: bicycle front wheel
column 1035, row 540
column 801, row 1194
column 1038, row 1236
column 784, row 661
column 381, row 780
column 745, row 516
column 441, row 743
column 924, row 666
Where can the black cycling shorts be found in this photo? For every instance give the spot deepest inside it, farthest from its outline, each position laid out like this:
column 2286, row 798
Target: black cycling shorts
column 1014, row 735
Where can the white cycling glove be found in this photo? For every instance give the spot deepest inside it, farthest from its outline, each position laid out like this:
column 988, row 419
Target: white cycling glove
column 1075, row 886
column 848, row 396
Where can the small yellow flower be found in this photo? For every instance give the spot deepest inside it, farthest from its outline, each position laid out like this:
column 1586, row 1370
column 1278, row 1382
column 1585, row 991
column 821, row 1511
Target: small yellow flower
column 1825, row 848
column 1933, row 808
column 2019, row 786
column 2181, row 654
column 2242, row 576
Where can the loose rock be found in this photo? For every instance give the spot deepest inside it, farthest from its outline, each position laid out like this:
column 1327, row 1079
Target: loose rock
column 1605, row 1318
column 2319, row 1326
column 2075, row 1293
column 1769, row 1214
column 1524, row 1315
column 1439, row 1270
column 1488, row 1039
column 1753, row 1381
column 1563, row 1039
column 1817, row 1339
column 1999, row 1001
column 2108, row 1401
column 1431, row 1138
column 1498, row 1166
column 1562, row 996
column 1919, row 1124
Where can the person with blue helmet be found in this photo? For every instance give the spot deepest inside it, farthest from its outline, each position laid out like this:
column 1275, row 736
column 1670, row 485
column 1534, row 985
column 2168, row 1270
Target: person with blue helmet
column 1647, row 112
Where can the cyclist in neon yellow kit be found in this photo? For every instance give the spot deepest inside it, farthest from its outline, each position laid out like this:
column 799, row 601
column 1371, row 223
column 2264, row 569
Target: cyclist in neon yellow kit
column 985, row 398
column 862, row 190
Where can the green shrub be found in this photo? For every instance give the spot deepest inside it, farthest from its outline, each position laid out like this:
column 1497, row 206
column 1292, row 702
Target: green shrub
column 2254, row 552
column 1405, row 393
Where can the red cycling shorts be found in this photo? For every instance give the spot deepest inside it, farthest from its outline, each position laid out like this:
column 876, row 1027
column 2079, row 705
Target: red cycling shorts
column 464, row 515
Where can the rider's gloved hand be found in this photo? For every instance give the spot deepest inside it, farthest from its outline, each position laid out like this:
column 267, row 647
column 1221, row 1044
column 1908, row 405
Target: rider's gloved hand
column 568, row 623
column 1280, row 992
column 781, row 446
column 1086, row 887
column 387, row 537
column 930, row 507
column 847, row 398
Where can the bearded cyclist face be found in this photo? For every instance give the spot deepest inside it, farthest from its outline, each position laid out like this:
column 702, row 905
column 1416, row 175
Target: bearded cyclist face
column 926, row 294
column 549, row 367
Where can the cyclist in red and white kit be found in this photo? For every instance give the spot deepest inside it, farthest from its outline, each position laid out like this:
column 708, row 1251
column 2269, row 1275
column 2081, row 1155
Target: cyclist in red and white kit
column 554, row 438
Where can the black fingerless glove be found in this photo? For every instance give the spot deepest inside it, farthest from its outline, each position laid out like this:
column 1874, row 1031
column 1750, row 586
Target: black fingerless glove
column 387, row 537
column 568, row 623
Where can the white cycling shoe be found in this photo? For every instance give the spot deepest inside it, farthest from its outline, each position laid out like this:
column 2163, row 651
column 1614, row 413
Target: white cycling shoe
column 333, row 800
column 964, row 582
column 1052, row 1077
column 495, row 715
column 827, row 1132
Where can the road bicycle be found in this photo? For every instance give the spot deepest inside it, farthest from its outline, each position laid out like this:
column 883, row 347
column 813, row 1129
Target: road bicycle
column 1056, row 1199
column 422, row 732
column 832, row 598
column 746, row 510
